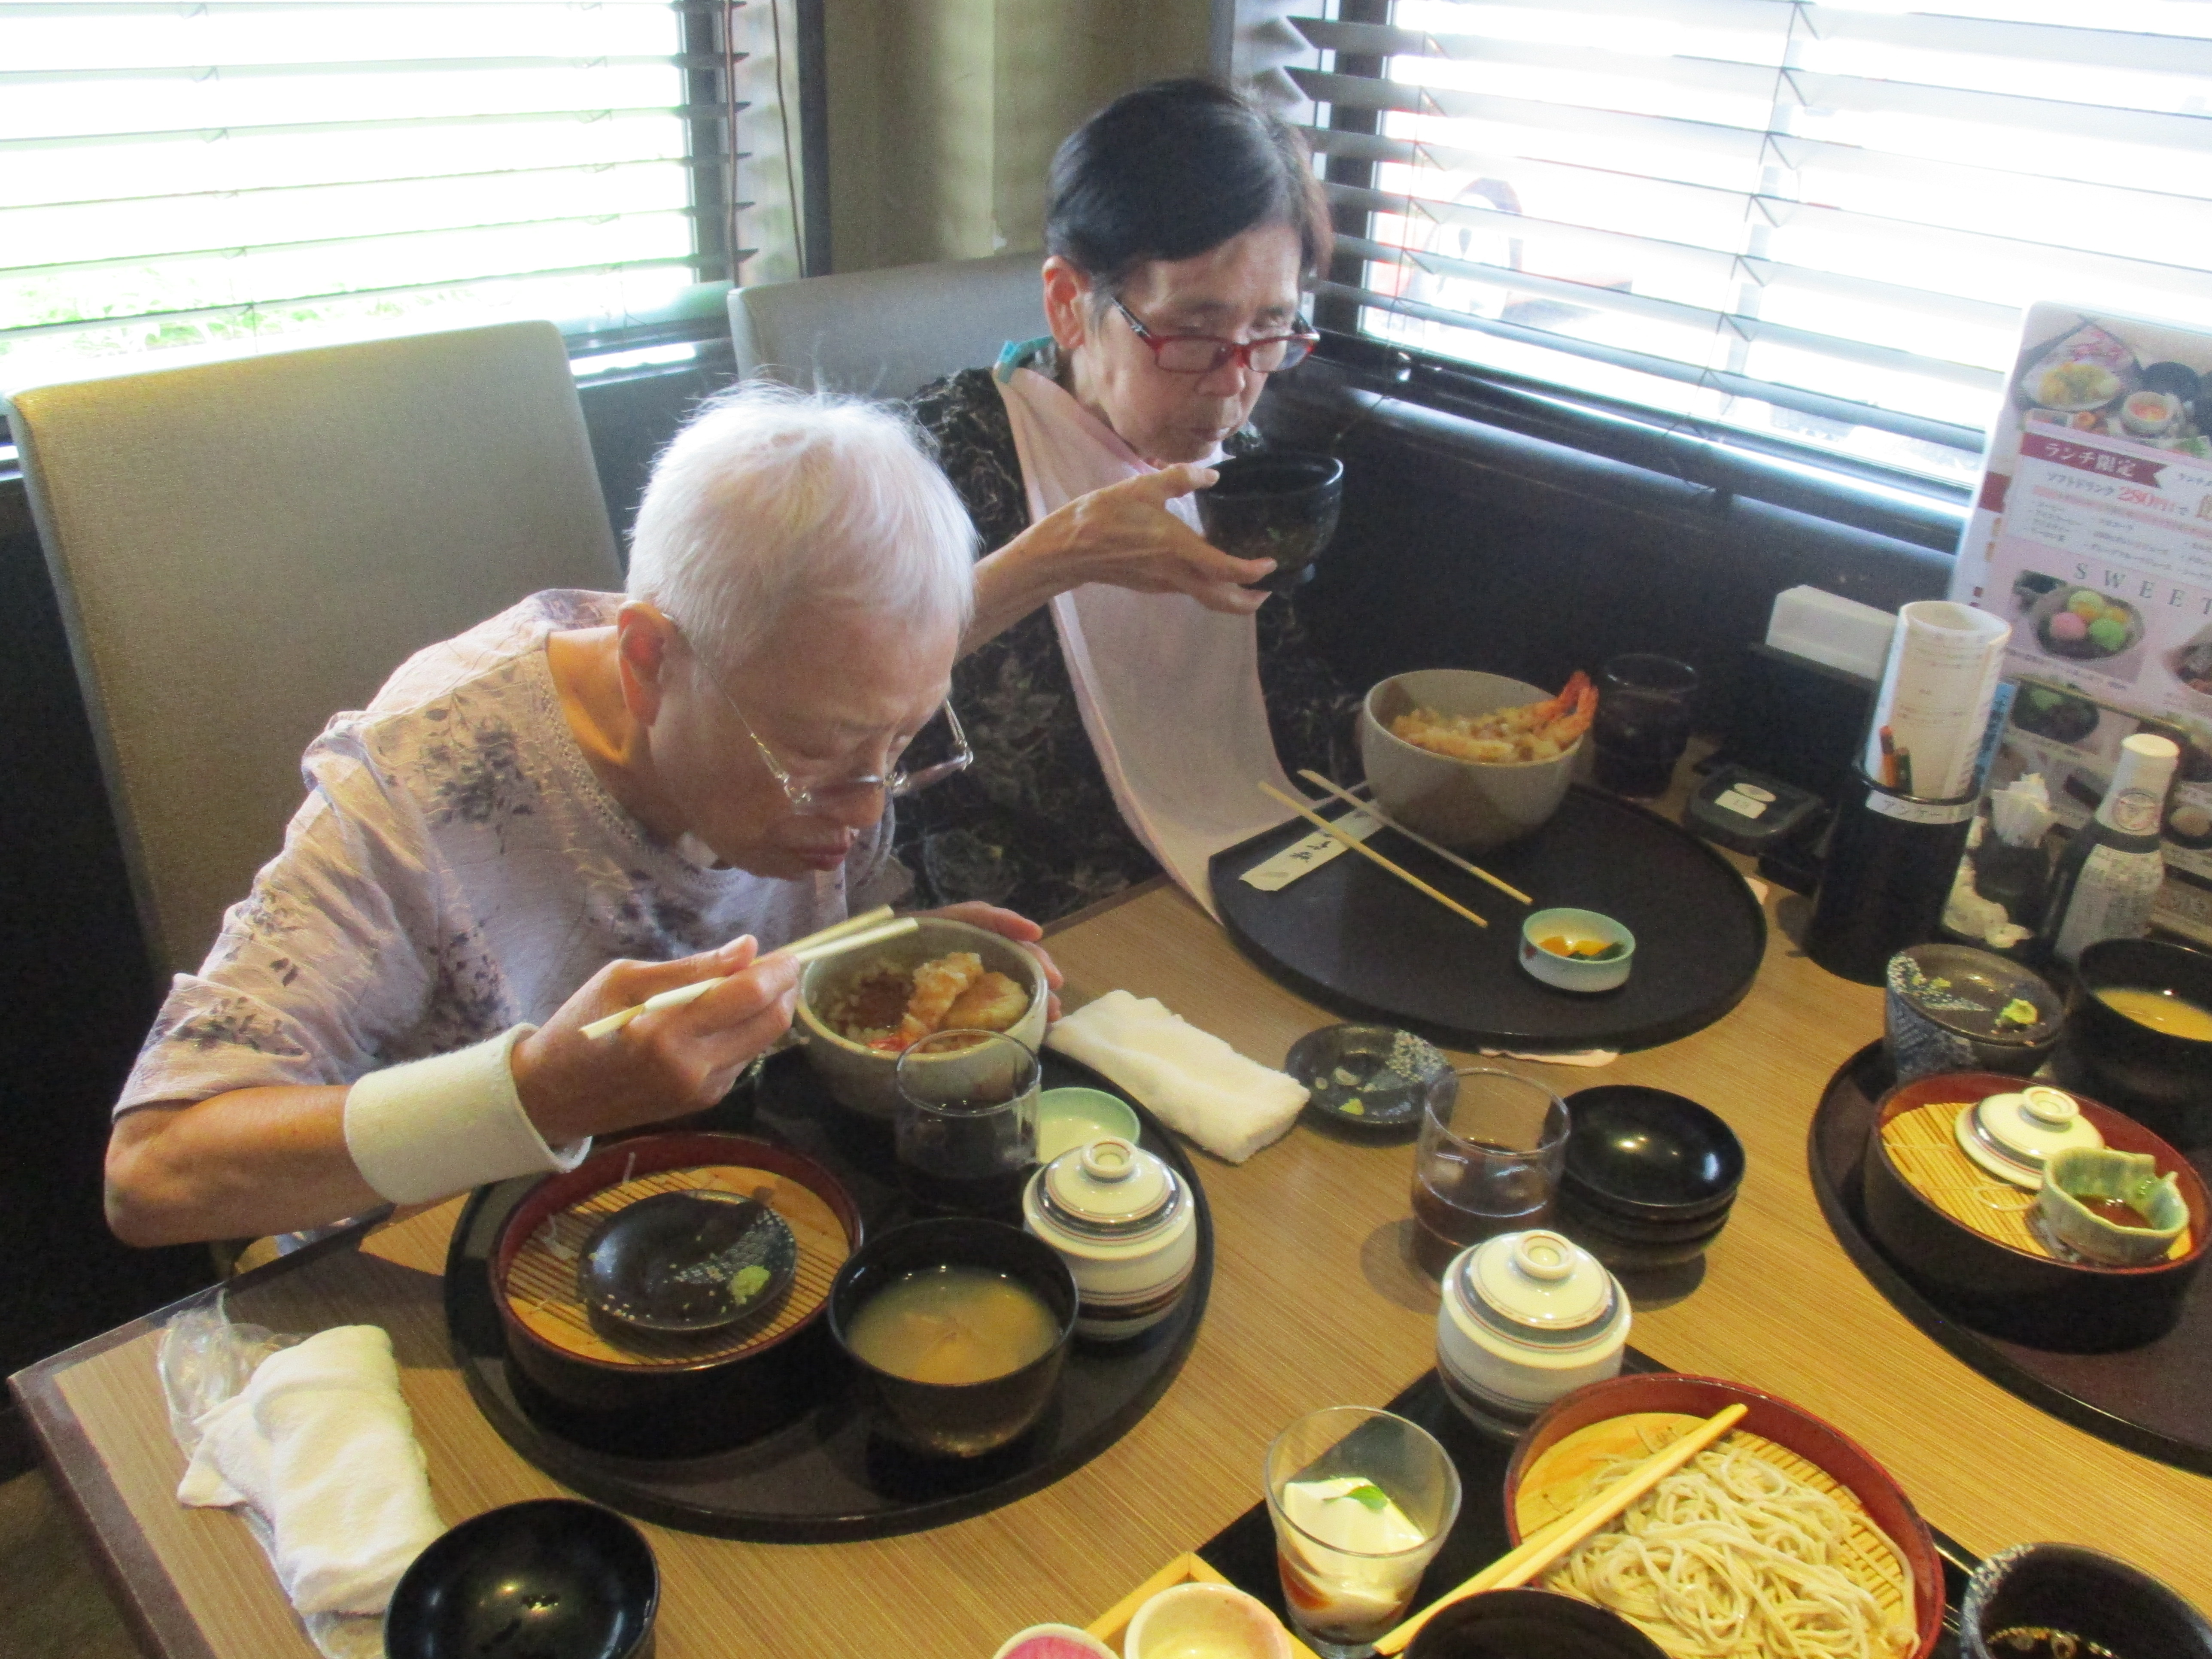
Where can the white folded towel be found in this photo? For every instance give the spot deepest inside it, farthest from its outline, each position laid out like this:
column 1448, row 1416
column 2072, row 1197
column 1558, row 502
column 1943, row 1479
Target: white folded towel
column 1198, row 1084
column 322, row 1446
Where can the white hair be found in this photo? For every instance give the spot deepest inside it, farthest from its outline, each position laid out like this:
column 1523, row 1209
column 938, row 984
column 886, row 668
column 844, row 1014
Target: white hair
column 770, row 499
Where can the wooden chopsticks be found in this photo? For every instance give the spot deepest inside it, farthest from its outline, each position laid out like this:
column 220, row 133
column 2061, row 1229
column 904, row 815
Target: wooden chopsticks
column 1536, row 1554
column 853, row 933
column 1365, row 851
column 1374, row 811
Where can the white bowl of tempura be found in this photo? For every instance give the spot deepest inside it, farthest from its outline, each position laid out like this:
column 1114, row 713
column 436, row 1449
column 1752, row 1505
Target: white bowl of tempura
column 1472, row 760
column 858, row 1013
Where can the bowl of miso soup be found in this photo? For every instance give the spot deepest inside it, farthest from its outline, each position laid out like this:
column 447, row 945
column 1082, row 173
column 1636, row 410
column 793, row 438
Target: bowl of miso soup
column 2139, row 1034
column 957, row 1329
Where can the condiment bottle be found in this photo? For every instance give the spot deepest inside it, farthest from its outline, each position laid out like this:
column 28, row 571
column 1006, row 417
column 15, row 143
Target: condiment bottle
column 1526, row 1318
column 2109, row 876
column 1124, row 1222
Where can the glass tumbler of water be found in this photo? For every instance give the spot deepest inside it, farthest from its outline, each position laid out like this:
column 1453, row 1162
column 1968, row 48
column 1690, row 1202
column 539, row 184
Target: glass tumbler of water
column 1490, row 1150
column 965, row 1132
column 1361, row 1501
column 1642, row 722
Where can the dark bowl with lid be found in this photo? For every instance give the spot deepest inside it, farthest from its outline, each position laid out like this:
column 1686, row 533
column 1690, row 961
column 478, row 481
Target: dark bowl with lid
column 553, row 1578
column 1530, row 1624
column 947, row 1419
column 1281, row 505
column 2064, row 1588
column 2163, row 1080
column 1943, row 1011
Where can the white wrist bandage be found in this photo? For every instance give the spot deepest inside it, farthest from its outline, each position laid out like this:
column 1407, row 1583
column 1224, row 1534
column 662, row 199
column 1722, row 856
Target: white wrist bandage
column 433, row 1127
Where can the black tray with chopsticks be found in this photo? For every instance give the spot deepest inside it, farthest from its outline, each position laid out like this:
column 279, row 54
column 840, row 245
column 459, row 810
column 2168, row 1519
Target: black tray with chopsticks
column 1243, row 1551
column 1355, row 939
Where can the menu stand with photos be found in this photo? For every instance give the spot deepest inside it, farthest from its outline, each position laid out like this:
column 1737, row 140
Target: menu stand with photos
column 2092, row 536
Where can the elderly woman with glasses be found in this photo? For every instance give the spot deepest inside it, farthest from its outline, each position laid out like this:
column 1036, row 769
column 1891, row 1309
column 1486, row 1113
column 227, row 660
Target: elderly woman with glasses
column 584, row 801
column 1181, row 226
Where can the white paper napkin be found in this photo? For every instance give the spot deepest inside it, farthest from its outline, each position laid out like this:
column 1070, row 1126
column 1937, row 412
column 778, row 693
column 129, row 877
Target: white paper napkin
column 321, row 1445
column 1198, row 1084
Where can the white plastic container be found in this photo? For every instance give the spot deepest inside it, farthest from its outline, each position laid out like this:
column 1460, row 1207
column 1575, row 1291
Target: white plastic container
column 1526, row 1317
column 1125, row 1225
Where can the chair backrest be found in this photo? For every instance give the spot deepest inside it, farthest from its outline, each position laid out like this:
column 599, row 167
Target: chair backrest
column 243, row 549
column 887, row 333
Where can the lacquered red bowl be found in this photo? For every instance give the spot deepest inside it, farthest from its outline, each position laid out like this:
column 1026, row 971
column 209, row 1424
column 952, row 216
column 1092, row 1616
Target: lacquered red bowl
column 1786, row 1425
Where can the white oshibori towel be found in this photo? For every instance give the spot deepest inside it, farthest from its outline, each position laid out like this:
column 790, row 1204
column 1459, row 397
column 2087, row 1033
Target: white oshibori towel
column 1170, row 691
column 1198, row 1084
column 322, row 1447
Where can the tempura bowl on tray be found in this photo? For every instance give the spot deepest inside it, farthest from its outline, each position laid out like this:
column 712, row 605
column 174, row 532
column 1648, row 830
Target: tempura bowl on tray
column 1471, row 804
column 864, row 1078
column 1633, row 1415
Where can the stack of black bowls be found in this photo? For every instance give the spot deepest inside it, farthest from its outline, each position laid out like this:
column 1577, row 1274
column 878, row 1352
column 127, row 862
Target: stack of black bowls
column 1649, row 1178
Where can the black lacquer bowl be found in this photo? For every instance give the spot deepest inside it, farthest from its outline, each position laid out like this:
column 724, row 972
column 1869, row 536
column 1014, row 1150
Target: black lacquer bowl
column 962, row 1420
column 2163, row 1080
column 1650, row 1177
column 2089, row 1596
column 1281, row 505
column 2077, row 1307
column 1530, row 1624
column 551, row 1579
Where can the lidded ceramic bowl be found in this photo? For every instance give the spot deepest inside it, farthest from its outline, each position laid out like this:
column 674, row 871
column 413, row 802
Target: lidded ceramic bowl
column 1526, row 1317
column 1127, row 1227
column 2011, row 1135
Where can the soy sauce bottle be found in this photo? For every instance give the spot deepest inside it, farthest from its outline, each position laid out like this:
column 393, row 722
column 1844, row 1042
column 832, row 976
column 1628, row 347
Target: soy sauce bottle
column 2109, row 875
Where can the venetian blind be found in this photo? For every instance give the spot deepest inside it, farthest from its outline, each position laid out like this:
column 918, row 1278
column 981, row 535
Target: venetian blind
column 226, row 172
column 1814, row 217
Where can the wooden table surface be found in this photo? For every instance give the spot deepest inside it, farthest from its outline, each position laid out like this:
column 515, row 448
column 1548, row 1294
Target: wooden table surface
column 1314, row 1303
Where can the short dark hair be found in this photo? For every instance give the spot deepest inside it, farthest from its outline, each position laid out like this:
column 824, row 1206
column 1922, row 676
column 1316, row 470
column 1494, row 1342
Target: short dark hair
column 1171, row 170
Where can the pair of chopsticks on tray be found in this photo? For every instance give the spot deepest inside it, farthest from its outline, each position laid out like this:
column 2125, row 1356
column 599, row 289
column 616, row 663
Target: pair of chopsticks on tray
column 1382, row 818
column 853, row 933
column 1537, row 1553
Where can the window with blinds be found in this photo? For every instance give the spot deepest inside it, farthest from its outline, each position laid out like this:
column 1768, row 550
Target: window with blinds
column 1814, row 219
column 256, row 171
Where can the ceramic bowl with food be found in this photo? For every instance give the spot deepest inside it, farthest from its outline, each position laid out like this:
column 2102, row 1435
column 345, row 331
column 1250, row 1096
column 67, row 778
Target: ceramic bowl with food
column 957, row 1331
column 1953, row 1008
column 837, row 997
column 1887, row 1550
column 635, row 1392
column 2101, row 1606
column 1916, row 1194
column 553, row 1578
column 1468, row 804
column 1281, row 505
column 2111, row 1207
column 1572, row 950
column 2157, row 1068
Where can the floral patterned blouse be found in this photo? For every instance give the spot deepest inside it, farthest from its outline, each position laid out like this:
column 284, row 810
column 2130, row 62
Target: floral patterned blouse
column 456, row 868
column 1032, row 824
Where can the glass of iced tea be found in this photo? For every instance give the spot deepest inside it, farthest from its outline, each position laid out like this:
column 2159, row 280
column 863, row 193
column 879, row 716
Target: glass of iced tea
column 965, row 1132
column 1491, row 1147
column 1362, row 1501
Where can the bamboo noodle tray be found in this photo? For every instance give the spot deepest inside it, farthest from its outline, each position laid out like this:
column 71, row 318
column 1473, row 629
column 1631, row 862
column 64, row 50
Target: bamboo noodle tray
column 541, row 1282
column 1564, row 1475
column 1924, row 1146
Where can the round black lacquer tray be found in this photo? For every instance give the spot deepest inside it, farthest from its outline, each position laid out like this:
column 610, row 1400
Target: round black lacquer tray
column 1353, row 937
column 2151, row 1399
column 821, row 1478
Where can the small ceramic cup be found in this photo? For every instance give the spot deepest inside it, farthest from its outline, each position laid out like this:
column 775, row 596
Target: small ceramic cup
column 1218, row 1620
column 1526, row 1317
column 1127, row 1227
column 1053, row 1642
column 1612, row 947
column 2078, row 1172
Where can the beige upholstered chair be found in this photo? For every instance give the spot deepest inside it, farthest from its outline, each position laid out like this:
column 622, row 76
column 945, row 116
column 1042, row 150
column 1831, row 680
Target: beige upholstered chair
column 887, row 333
column 243, row 549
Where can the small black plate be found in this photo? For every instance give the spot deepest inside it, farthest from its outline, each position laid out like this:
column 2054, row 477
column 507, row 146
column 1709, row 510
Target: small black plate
column 672, row 1262
column 1374, row 1078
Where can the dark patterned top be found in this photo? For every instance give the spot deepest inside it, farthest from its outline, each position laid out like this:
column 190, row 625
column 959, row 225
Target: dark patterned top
column 457, row 866
column 1032, row 823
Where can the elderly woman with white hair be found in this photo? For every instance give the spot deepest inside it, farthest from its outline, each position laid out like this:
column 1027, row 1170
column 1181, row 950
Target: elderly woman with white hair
column 586, row 799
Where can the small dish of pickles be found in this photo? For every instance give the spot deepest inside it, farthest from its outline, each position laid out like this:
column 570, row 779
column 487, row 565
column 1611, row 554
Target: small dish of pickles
column 1576, row 950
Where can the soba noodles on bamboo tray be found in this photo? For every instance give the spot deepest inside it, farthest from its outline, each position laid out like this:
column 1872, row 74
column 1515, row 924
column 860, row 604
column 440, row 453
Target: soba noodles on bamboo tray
column 1748, row 1550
